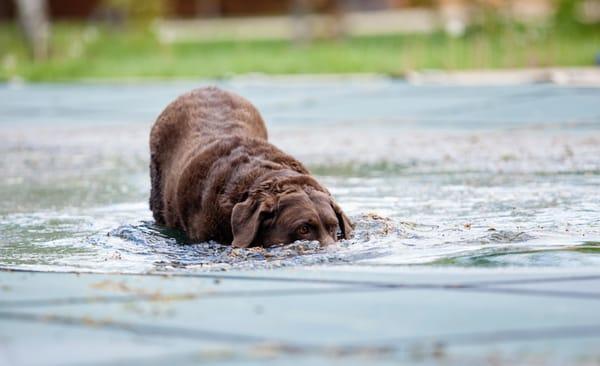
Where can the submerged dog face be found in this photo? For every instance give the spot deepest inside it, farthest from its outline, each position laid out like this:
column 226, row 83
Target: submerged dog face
column 298, row 214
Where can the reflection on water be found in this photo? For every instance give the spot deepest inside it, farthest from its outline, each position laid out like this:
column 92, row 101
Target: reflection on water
column 492, row 176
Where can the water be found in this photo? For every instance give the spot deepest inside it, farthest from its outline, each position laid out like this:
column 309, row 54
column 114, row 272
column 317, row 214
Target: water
column 432, row 175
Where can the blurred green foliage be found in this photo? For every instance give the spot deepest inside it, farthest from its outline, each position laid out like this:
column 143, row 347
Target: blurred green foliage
column 566, row 16
column 97, row 52
column 144, row 11
column 566, row 11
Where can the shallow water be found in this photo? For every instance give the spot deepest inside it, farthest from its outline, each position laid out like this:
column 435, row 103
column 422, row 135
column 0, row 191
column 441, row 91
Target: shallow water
column 432, row 175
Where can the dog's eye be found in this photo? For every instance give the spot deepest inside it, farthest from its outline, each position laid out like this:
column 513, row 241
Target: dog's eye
column 303, row 229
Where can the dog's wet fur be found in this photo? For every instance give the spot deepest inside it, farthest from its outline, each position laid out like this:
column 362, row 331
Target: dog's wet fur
column 216, row 177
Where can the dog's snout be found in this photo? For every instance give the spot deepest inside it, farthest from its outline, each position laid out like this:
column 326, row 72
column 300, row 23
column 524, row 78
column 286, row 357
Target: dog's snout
column 326, row 240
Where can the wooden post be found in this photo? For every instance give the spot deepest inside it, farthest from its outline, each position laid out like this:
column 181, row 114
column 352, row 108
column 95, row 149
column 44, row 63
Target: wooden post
column 337, row 27
column 34, row 19
column 302, row 27
column 208, row 8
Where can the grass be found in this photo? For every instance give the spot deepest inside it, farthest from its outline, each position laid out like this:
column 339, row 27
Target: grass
column 98, row 52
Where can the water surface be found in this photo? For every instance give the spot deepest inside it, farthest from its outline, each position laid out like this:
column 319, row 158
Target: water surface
column 432, row 175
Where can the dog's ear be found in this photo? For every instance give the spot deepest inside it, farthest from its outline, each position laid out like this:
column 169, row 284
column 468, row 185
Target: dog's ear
column 343, row 220
column 246, row 218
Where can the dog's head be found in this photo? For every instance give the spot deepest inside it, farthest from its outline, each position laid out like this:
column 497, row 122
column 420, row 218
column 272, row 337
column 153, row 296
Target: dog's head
column 284, row 215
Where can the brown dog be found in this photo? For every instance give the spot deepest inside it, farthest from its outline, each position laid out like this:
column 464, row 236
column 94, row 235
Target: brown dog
column 215, row 176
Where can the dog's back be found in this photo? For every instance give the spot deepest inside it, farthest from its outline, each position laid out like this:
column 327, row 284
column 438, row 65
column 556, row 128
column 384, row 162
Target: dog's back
column 205, row 118
column 216, row 177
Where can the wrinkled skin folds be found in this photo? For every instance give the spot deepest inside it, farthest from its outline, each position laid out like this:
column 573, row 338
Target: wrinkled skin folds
column 216, row 177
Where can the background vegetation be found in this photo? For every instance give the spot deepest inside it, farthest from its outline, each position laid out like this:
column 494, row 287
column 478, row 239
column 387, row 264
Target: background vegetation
column 131, row 49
